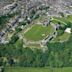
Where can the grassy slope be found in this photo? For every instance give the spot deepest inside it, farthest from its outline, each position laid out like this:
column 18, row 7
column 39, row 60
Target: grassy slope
column 35, row 33
column 21, row 69
column 61, row 20
column 63, row 37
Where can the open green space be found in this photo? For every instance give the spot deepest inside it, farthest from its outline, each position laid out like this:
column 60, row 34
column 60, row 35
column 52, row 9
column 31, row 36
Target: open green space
column 63, row 37
column 69, row 18
column 19, row 43
column 60, row 20
column 22, row 69
column 38, row 32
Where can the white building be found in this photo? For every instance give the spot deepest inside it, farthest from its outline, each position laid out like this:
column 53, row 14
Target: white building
column 68, row 30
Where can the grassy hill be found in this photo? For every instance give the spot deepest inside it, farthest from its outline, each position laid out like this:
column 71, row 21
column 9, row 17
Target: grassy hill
column 22, row 69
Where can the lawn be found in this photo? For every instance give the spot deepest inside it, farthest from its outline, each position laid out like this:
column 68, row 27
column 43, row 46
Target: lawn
column 47, row 69
column 63, row 37
column 61, row 20
column 38, row 32
column 19, row 43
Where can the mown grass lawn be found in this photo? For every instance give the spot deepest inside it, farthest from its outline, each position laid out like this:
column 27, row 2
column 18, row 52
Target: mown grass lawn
column 47, row 69
column 38, row 32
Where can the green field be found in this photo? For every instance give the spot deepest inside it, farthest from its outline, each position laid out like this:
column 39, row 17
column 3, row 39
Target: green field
column 21, row 69
column 60, row 20
column 63, row 37
column 38, row 32
column 69, row 18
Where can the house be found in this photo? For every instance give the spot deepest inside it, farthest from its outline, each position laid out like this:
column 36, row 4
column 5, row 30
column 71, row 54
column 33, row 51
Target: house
column 57, row 26
column 46, row 23
column 21, row 20
column 68, row 30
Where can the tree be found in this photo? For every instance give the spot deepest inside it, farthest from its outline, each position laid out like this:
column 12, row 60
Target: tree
column 38, row 58
column 62, row 14
column 11, row 61
column 1, row 61
column 27, row 58
column 14, row 38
